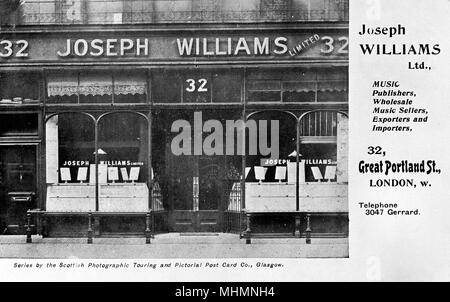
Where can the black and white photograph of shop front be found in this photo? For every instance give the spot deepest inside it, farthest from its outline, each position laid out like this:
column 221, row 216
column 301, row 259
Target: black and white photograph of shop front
column 187, row 128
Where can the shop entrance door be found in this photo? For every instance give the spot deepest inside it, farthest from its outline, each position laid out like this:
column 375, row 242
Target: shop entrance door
column 195, row 192
column 17, row 187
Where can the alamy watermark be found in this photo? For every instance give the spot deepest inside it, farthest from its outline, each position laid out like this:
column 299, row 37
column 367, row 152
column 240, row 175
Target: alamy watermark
column 228, row 139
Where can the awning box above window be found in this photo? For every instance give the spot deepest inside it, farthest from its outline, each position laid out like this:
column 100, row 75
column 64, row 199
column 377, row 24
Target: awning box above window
column 65, row 84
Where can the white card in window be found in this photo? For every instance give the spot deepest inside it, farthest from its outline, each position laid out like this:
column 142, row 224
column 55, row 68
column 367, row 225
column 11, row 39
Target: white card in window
column 247, row 170
column 301, row 172
column 82, row 173
column 113, row 173
column 65, row 174
column 92, row 174
column 102, row 174
column 124, row 173
column 134, row 173
column 292, row 174
column 260, row 173
column 280, row 173
column 316, row 173
column 330, row 172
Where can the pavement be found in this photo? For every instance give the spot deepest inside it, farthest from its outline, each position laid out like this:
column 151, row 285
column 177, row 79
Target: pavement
column 172, row 245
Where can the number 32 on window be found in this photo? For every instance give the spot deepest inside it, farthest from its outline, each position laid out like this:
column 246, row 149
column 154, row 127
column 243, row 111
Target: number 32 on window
column 199, row 85
column 330, row 45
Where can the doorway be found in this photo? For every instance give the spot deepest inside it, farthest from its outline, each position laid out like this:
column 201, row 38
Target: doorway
column 17, row 187
column 196, row 188
column 195, row 194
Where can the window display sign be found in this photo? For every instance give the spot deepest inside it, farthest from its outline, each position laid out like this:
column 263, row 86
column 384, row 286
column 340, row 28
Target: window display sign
column 82, row 174
column 320, row 170
column 134, row 173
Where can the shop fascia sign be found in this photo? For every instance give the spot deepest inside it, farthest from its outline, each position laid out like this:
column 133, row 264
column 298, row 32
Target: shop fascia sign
column 185, row 47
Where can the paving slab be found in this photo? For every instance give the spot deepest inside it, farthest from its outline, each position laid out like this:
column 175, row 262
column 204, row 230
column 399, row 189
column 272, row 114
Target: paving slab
column 173, row 245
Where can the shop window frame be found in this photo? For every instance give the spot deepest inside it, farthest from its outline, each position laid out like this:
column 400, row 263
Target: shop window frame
column 96, row 120
column 298, row 118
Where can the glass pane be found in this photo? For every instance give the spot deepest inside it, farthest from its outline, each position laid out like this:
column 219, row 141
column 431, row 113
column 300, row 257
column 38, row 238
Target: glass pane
column 226, row 87
column 18, row 124
column 104, row 11
column 38, row 11
column 20, row 87
column 259, row 96
column 332, row 91
column 332, row 85
column 166, row 87
column 17, row 170
column 69, row 148
column 332, row 96
column 17, row 174
column 320, row 162
column 323, row 148
column 123, row 146
column 275, row 9
column 197, row 88
column 281, row 143
column 182, row 183
column 173, row 10
column 240, row 6
column 71, row 11
column 299, row 91
column 264, row 85
column 209, row 193
column 137, row 11
column 320, row 123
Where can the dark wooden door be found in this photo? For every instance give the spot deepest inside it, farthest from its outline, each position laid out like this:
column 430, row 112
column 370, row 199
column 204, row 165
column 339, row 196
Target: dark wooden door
column 17, row 183
column 210, row 204
column 195, row 194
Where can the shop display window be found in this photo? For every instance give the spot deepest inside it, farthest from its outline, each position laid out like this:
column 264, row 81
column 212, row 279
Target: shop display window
column 123, row 147
column 323, row 147
column 70, row 151
column 265, row 168
column 319, row 162
column 121, row 174
column 322, row 152
column 122, row 152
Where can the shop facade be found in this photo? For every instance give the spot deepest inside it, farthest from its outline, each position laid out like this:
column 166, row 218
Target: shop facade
column 132, row 130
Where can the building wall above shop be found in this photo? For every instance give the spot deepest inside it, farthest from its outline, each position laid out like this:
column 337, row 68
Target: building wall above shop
column 50, row 12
